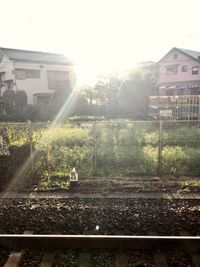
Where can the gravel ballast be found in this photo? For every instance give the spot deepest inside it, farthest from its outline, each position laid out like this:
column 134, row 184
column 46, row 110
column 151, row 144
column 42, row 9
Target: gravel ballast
column 79, row 216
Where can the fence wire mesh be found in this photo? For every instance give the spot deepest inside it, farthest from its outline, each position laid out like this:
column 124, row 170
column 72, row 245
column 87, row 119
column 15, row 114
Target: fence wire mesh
column 180, row 143
column 117, row 148
column 61, row 147
column 127, row 148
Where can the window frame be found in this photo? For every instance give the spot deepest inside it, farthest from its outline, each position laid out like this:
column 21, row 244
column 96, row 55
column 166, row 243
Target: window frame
column 18, row 74
column 58, row 79
column 195, row 72
column 26, row 74
column 184, row 68
column 168, row 72
column 42, row 99
column 35, row 74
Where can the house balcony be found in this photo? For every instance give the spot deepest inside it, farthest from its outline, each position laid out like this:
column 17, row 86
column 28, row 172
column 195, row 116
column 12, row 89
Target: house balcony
column 180, row 107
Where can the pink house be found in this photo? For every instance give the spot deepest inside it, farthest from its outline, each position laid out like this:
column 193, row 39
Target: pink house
column 178, row 94
column 179, row 72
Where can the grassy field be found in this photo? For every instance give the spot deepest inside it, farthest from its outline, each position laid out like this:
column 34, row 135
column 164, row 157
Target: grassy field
column 106, row 149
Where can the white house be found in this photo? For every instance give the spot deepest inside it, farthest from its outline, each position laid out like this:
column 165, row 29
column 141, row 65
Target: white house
column 39, row 74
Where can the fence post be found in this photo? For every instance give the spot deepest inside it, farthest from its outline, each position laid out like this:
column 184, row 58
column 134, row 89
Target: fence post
column 94, row 151
column 160, row 148
column 30, row 139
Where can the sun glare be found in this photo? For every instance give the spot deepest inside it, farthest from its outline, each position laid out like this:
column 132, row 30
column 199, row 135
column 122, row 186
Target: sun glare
column 25, row 170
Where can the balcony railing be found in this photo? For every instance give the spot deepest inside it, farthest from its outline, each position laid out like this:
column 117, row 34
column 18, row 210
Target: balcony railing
column 174, row 101
column 175, row 107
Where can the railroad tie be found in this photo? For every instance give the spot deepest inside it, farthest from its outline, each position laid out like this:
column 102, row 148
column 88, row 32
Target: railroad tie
column 84, row 259
column 160, row 259
column 121, row 260
column 121, row 257
column 48, row 259
column 15, row 257
column 194, row 256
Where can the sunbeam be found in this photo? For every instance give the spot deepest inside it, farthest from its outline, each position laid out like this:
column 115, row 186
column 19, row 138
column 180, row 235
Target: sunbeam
column 24, row 171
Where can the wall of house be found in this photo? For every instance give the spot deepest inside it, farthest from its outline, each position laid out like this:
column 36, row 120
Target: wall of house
column 37, row 86
column 180, row 76
column 6, row 66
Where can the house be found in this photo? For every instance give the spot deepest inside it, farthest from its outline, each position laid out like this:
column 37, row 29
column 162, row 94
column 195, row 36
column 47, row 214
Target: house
column 179, row 72
column 149, row 70
column 178, row 86
column 39, row 74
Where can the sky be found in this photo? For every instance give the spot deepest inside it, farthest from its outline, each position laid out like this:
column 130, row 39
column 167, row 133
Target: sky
column 101, row 35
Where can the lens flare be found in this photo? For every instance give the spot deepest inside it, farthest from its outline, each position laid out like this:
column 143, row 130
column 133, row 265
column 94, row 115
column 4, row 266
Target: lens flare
column 25, row 171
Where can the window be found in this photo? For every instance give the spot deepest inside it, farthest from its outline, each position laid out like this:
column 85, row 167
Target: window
column 9, row 84
column 184, row 68
column 195, row 70
column 43, row 99
column 33, row 74
column 175, row 56
column 58, row 79
column 172, row 70
column 22, row 74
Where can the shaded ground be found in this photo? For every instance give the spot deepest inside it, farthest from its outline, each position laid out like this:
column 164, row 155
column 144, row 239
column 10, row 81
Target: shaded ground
column 112, row 185
column 148, row 184
column 122, row 185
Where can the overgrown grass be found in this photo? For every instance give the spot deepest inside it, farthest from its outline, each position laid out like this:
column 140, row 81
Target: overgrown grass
column 121, row 148
column 191, row 183
column 188, row 186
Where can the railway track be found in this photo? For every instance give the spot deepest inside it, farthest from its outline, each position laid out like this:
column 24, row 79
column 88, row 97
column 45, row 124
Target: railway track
column 121, row 251
column 66, row 195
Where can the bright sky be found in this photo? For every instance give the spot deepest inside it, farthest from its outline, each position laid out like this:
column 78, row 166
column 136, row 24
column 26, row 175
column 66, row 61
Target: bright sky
column 101, row 35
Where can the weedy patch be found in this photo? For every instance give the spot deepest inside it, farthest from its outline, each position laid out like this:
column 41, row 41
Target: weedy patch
column 183, row 191
column 109, row 150
column 191, row 183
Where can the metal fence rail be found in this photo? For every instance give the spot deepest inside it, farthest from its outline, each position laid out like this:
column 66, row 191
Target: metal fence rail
column 103, row 148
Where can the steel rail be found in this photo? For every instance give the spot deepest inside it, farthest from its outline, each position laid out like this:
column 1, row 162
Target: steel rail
column 185, row 243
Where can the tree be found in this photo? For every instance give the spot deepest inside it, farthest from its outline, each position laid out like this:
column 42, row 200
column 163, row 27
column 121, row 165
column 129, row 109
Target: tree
column 57, row 101
column 8, row 98
column 90, row 93
column 101, row 92
column 20, row 100
column 134, row 97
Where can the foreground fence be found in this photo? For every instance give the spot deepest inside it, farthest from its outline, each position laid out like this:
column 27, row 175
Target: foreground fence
column 101, row 148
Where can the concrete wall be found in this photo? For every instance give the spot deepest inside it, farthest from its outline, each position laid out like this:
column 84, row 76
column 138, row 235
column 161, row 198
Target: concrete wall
column 180, row 76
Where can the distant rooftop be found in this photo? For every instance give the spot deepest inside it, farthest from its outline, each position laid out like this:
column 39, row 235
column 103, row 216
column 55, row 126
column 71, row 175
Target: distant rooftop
column 191, row 53
column 35, row 56
column 146, row 64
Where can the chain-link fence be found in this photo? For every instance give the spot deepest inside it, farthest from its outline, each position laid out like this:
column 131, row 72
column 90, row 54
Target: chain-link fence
column 111, row 148
column 180, row 148
column 14, row 148
column 126, row 148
